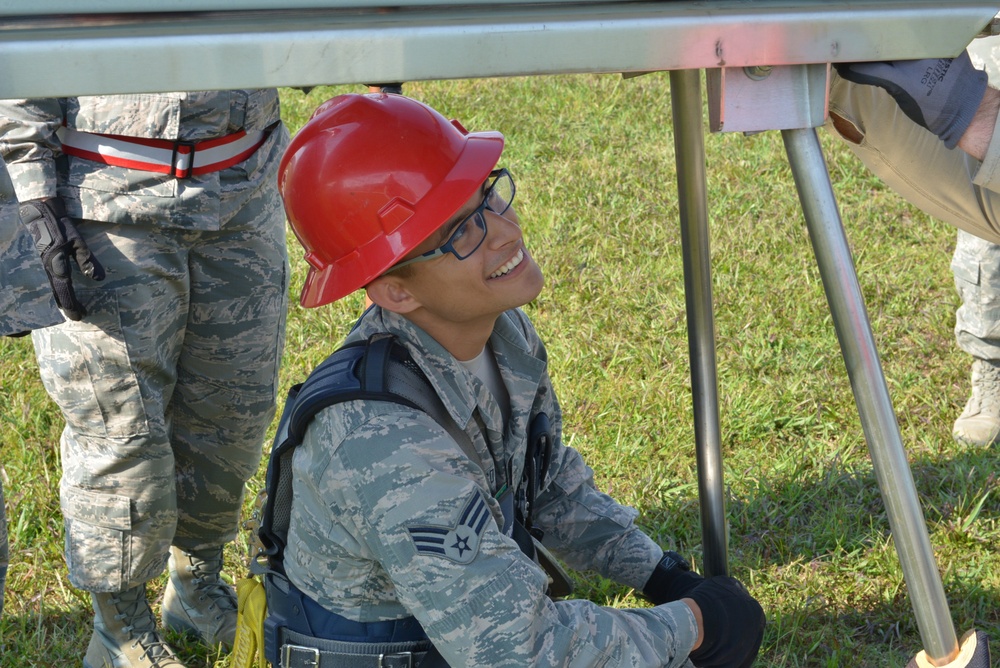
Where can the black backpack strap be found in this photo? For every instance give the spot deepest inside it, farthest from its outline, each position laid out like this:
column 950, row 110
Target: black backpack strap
column 379, row 369
column 331, row 382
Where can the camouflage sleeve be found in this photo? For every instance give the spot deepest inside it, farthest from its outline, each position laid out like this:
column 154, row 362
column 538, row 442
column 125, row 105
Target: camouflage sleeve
column 418, row 507
column 586, row 528
column 985, row 54
column 28, row 144
column 988, row 174
column 26, row 301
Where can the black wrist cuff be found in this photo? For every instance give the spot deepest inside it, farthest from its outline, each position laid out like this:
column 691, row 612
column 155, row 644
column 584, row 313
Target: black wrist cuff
column 671, row 579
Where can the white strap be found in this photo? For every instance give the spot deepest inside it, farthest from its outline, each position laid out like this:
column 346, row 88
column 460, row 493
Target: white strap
column 178, row 158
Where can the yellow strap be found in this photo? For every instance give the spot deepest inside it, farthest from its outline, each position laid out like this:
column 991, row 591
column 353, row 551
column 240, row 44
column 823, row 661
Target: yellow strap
column 248, row 650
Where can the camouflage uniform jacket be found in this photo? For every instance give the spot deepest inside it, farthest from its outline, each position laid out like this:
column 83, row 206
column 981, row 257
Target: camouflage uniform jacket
column 92, row 190
column 377, row 485
column 26, row 301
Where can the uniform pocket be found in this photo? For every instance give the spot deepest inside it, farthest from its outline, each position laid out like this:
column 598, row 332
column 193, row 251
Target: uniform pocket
column 97, row 538
column 87, row 370
column 133, row 115
column 84, row 175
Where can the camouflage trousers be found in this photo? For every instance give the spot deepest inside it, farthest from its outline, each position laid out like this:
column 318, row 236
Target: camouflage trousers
column 26, row 300
column 976, row 265
column 167, row 388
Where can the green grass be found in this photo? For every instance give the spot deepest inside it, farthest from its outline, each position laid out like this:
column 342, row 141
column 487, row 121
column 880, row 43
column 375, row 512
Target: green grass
column 593, row 160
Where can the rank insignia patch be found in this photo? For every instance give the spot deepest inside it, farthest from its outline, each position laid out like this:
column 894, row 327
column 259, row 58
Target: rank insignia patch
column 458, row 543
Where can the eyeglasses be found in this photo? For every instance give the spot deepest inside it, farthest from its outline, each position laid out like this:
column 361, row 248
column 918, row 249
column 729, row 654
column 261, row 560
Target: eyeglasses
column 471, row 232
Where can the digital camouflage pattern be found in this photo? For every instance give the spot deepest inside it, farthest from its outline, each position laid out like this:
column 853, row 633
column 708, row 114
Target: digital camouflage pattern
column 376, row 482
column 169, row 383
column 26, row 301
column 976, row 262
column 976, row 266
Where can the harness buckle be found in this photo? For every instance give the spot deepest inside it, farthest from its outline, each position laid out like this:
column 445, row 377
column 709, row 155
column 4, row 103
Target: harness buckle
column 304, row 657
column 383, row 657
column 182, row 159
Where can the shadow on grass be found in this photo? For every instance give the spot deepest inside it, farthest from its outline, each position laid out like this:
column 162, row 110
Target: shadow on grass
column 832, row 571
column 801, row 516
column 883, row 635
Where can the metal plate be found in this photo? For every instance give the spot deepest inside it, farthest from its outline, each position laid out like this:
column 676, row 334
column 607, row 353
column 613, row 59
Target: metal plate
column 786, row 97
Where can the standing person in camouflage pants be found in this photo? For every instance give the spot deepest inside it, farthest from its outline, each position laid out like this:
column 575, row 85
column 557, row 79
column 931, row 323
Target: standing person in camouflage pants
column 976, row 265
column 403, row 531
column 166, row 370
column 26, row 303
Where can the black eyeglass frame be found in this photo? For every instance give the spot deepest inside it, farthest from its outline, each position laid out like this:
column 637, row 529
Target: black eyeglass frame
column 476, row 218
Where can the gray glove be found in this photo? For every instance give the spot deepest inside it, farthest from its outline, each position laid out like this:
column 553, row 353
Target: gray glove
column 57, row 240
column 940, row 94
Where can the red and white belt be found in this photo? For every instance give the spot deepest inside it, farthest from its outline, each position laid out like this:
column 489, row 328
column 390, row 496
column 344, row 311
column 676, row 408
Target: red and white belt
column 180, row 159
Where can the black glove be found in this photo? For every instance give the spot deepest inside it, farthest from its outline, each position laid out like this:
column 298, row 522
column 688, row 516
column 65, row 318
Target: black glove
column 940, row 94
column 671, row 580
column 733, row 624
column 57, row 240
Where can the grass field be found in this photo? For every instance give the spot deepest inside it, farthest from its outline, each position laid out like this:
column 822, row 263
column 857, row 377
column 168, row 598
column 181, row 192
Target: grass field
column 593, row 160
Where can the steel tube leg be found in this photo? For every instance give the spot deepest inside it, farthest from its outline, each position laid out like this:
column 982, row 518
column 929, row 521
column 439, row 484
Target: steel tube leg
column 689, row 147
column 906, row 520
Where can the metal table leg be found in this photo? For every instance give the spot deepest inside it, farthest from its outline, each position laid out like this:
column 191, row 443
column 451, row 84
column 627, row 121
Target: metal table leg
column 909, row 530
column 689, row 143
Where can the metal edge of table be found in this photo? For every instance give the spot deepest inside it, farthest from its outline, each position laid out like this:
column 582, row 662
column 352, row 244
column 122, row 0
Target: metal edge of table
column 92, row 54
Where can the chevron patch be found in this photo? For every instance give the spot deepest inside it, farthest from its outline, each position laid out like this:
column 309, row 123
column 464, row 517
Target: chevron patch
column 458, row 543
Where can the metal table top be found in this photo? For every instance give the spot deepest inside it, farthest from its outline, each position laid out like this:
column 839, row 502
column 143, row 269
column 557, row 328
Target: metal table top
column 75, row 47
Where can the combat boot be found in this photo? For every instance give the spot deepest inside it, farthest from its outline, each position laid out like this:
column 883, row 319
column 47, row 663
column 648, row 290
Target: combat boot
column 979, row 423
column 197, row 600
column 125, row 633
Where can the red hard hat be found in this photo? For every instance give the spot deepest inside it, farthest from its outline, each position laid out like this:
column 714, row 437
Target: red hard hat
column 368, row 179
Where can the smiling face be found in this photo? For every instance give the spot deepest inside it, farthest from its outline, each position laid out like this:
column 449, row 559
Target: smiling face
column 458, row 301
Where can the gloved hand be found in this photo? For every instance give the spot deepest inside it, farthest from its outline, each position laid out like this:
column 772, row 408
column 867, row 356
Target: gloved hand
column 671, row 580
column 940, row 94
column 57, row 239
column 733, row 624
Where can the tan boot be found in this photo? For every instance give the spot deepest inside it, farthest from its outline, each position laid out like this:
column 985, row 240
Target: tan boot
column 197, row 600
column 125, row 634
column 979, row 423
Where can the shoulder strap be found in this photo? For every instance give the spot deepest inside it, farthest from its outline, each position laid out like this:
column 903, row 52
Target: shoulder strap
column 379, row 369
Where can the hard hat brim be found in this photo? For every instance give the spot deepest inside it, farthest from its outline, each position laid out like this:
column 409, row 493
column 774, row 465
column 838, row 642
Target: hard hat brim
column 478, row 158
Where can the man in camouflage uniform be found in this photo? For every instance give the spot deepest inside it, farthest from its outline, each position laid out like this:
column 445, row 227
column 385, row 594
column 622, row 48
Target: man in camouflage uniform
column 976, row 265
column 166, row 370
column 26, row 303
column 393, row 523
